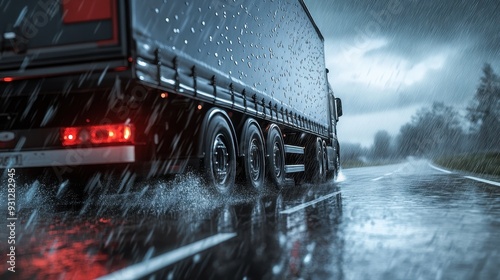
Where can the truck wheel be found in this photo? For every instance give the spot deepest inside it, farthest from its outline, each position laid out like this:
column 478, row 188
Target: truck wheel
column 315, row 166
column 275, row 157
column 220, row 156
column 333, row 174
column 254, row 161
column 320, row 155
column 337, row 164
column 325, row 160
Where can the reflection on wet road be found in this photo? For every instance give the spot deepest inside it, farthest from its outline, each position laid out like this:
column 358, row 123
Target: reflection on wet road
column 405, row 221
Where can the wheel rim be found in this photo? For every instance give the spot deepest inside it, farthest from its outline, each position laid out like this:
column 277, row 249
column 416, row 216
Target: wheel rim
column 337, row 164
column 320, row 159
column 325, row 158
column 220, row 160
column 255, row 160
column 278, row 162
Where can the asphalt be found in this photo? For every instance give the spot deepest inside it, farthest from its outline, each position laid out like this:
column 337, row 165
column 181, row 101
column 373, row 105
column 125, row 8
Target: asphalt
column 405, row 221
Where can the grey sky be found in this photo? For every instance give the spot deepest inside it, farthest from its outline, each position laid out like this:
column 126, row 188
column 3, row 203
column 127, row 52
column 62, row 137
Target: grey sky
column 390, row 57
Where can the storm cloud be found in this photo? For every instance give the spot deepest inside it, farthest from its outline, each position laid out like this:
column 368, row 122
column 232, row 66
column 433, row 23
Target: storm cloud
column 390, row 55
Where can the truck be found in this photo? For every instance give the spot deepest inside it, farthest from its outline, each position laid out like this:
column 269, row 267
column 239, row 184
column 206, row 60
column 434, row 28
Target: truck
column 102, row 89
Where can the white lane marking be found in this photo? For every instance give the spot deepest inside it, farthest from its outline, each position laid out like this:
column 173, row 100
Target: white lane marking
column 312, row 202
column 440, row 169
column 468, row 177
column 483, row 180
column 379, row 178
column 388, row 174
column 145, row 268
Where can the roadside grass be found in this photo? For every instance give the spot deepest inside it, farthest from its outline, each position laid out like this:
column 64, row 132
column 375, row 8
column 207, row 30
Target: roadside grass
column 480, row 163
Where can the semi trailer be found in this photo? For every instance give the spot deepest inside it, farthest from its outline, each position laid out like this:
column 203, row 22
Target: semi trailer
column 233, row 89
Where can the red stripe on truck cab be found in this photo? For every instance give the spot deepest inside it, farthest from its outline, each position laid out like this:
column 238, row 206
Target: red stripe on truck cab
column 76, row 11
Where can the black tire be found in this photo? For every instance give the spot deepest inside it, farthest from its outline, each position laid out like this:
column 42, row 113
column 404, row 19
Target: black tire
column 333, row 174
column 220, row 156
column 320, row 155
column 275, row 157
column 337, row 163
column 315, row 167
column 254, row 160
column 324, row 160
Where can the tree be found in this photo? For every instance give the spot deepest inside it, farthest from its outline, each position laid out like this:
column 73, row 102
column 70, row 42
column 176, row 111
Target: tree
column 352, row 152
column 382, row 145
column 484, row 110
column 435, row 130
column 410, row 141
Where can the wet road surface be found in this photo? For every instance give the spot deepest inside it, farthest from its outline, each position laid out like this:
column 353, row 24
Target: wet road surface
column 404, row 221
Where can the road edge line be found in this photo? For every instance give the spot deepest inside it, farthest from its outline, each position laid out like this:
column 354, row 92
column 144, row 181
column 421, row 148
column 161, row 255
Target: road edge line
column 483, row 181
column 147, row 267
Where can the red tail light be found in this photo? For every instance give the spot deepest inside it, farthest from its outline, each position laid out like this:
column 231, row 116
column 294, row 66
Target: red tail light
column 99, row 134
